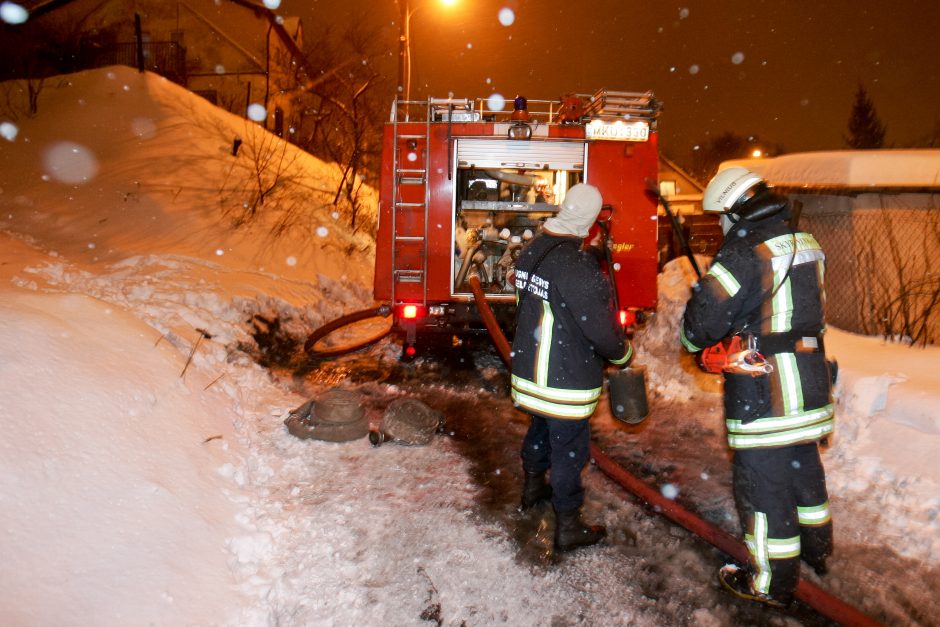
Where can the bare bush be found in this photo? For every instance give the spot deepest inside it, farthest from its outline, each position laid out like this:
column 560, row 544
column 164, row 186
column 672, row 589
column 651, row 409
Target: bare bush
column 881, row 268
column 264, row 172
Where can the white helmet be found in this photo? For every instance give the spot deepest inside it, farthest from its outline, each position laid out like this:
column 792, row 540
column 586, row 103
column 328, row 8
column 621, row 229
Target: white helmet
column 727, row 187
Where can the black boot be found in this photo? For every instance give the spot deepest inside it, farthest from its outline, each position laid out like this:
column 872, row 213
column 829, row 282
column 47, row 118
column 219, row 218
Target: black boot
column 819, row 565
column 571, row 532
column 535, row 489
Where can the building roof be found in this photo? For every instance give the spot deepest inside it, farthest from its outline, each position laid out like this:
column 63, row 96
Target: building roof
column 850, row 170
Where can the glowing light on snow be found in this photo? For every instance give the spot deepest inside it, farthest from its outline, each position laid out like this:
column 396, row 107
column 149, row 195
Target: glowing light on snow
column 70, row 162
column 143, row 127
column 12, row 13
column 272, row 4
column 322, row 231
column 291, row 261
column 693, row 69
column 496, row 102
column 506, row 16
column 737, row 58
column 257, row 112
column 670, row 491
column 8, row 131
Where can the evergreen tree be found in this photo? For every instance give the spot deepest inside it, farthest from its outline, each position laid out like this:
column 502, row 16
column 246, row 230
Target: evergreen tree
column 865, row 127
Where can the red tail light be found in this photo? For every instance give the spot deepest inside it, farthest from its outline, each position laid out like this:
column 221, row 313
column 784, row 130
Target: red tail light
column 627, row 318
column 411, row 312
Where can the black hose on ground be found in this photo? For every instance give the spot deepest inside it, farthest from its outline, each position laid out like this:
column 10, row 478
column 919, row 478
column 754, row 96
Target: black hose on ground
column 382, row 311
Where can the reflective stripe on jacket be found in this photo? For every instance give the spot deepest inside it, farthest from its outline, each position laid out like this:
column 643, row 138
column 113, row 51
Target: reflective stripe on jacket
column 768, row 282
column 566, row 327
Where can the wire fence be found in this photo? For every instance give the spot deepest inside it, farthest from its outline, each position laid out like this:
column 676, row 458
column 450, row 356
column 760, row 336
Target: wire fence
column 167, row 58
column 882, row 263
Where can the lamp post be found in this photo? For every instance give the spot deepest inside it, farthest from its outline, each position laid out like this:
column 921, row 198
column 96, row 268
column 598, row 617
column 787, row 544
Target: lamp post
column 404, row 45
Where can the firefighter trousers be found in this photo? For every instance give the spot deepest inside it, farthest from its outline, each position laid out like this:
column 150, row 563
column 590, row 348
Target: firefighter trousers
column 784, row 509
column 561, row 445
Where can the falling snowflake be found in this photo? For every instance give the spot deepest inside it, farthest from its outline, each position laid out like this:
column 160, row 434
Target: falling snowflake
column 506, row 16
column 257, row 112
column 496, row 102
column 670, row 491
column 8, row 131
column 12, row 13
column 70, row 162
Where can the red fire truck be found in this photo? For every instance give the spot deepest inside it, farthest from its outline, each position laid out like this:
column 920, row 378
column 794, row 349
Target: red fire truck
column 465, row 183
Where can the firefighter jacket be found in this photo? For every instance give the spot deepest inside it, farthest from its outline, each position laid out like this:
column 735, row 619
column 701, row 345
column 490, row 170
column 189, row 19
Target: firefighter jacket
column 767, row 282
column 566, row 327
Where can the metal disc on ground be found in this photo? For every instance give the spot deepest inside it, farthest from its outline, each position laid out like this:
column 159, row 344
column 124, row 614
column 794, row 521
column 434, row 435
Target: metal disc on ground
column 409, row 421
column 337, row 416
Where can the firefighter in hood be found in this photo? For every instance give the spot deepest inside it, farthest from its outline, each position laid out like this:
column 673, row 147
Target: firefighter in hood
column 566, row 328
column 763, row 296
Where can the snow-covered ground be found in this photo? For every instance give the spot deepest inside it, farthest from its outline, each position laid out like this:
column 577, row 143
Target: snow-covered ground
column 146, row 476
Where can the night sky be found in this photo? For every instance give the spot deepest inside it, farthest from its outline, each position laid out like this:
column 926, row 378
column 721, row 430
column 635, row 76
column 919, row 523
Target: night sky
column 785, row 71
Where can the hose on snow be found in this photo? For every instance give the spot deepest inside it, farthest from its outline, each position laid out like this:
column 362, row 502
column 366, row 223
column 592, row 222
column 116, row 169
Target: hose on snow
column 310, row 346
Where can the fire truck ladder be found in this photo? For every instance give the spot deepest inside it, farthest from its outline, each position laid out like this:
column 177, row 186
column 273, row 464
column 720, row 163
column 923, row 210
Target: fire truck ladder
column 410, row 187
column 410, row 192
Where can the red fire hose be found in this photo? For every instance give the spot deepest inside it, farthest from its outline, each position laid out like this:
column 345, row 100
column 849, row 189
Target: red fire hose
column 496, row 334
column 826, row 604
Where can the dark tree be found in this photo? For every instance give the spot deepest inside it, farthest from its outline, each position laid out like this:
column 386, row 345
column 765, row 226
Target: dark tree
column 710, row 154
column 865, row 128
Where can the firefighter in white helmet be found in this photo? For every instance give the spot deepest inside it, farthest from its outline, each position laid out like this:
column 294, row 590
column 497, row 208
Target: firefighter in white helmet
column 566, row 329
column 765, row 285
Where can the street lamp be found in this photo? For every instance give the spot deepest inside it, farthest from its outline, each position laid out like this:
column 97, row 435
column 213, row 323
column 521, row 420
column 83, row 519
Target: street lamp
column 404, row 44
